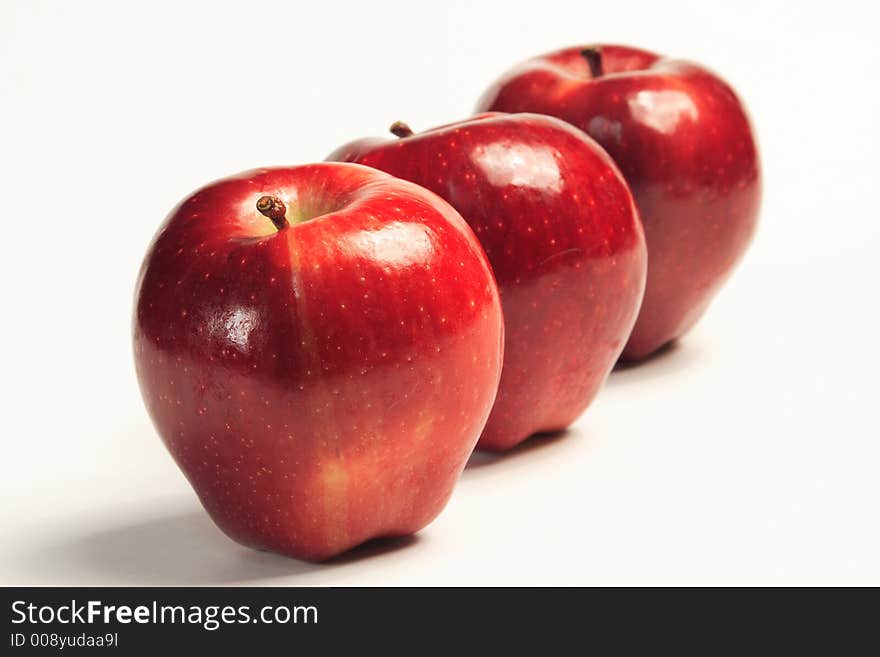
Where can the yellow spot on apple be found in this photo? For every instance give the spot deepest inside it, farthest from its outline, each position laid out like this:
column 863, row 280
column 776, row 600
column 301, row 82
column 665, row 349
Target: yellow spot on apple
column 335, row 485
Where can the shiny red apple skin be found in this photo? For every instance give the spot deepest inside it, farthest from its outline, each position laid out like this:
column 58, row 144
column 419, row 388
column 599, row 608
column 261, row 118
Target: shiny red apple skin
column 562, row 233
column 322, row 384
column 685, row 145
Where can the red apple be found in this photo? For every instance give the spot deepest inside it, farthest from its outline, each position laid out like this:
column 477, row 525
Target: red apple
column 683, row 141
column 562, row 233
column 319, row 348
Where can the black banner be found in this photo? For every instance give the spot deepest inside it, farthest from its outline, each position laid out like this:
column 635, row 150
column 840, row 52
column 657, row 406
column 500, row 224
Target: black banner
column 132, row 621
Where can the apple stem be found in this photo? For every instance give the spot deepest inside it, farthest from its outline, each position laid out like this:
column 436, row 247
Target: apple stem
column 594, row 61
column 273, row 208
column 400, row 129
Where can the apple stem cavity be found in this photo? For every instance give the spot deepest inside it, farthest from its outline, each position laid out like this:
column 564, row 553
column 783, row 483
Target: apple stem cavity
column 273, row 208
column 594, row 61
column 400, row 129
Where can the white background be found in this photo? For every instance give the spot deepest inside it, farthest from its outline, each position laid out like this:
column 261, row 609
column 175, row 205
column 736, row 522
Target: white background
column 748, row 455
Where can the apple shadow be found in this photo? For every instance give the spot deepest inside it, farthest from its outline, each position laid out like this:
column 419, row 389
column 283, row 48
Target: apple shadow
column 665, row 362
column 663, row 352
column 185, row 549
column 539, row 441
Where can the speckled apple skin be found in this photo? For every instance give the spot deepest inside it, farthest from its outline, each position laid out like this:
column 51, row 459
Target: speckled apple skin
column 322, row 384
column 686, row 147
column 561, row 230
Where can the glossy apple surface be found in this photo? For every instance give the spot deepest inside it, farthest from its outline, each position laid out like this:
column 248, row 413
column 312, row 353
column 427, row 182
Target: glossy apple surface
column 684, row 143
column 562, row 233
column 320, row 375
